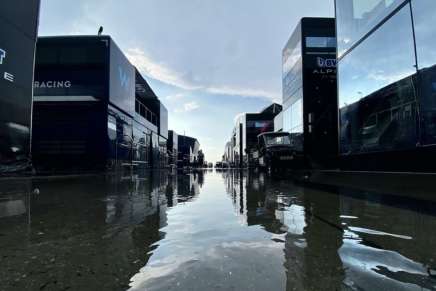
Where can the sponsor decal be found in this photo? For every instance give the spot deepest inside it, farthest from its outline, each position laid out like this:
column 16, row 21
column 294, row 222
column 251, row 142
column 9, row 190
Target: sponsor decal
column 324, row 71
column 6, row 75
column 325, row 66
column 140, row 88
column 52, row 84
column 326, row 63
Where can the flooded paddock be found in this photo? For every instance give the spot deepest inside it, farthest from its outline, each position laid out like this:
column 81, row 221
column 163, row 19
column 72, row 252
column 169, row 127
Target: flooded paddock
column 210, row 230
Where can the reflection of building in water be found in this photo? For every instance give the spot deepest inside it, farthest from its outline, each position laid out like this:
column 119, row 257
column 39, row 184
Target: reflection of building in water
column 15, row 197
column 86, row 225
column 263, row 205
column 171, row 190
column 235, row 187
column 389, row 242
column 332, row 240
column 322, row 266
column 141, row 199
column 188, row 185
column 306, row 222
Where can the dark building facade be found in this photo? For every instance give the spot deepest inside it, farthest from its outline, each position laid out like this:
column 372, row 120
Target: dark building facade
column 18, row 32
column 188, row 148
column 148, row 106
column 89, row 109
column 172, row 147
column 244, row 136
column 309, row 90
column 387, row 84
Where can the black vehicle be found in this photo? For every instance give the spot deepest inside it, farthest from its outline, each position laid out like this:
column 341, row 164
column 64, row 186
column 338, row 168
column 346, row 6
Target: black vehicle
column 276, row 150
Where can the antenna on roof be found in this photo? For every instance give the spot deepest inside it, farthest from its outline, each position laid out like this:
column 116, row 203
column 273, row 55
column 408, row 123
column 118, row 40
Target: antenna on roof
column 100, row 30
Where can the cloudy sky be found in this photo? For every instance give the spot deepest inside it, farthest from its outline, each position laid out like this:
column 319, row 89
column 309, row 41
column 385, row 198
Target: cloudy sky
column 207, row 60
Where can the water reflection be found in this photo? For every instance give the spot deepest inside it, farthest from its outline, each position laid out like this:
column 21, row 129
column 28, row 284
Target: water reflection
column 230, row 230
column 307, row 228
column 341, row 240
column 207, row 247
column 88, row 233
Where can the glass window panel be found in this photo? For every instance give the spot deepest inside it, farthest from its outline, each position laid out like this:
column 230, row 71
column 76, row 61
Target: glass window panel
column 291, row 55
column 376, row 90
column 293, row 81
column 278, row 140
column 320, row 42
column 425, row 31
column 293, row 117
column 142, row 110
column 355, row 18
column 424, row 12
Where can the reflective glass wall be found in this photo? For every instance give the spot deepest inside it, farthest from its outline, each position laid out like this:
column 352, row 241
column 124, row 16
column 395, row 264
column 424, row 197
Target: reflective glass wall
column 292, row 83
column 424, row 12
column 386, row 79
column 293, row 117
column 309, row 88
column 356, row 18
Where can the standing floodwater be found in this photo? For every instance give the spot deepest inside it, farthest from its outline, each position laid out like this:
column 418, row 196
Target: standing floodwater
column 210, row 231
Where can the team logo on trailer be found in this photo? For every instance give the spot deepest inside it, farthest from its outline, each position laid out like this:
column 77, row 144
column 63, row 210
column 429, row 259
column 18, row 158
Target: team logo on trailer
column 7, row 76
column 124, row 78
column 2, row 56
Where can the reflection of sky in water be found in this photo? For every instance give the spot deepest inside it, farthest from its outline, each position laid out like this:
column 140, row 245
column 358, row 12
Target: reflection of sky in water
column 198, row 245
column 220, row 254
column 274, row 236
column 294, row 219
column 376, row 232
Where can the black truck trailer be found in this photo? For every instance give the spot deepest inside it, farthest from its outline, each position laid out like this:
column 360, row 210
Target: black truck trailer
column 18, row 32
column 91, row 108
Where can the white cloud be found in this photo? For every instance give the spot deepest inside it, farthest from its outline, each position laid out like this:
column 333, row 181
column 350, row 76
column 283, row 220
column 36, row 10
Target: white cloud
column 273, row 96
column 188, row 107
column 387, row 78
column 163, row 73
column 191, row 106
column 157, row 71
column 174, row 97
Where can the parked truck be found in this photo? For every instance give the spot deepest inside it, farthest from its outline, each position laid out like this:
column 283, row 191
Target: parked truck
column 275, row 151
